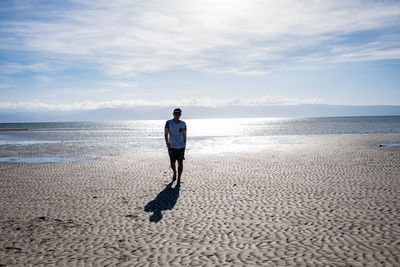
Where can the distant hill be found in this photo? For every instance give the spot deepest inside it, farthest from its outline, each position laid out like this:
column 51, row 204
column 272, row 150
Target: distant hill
column 191, row 112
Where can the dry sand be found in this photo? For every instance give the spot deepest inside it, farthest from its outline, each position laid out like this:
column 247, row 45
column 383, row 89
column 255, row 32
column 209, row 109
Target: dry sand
column 334, row 201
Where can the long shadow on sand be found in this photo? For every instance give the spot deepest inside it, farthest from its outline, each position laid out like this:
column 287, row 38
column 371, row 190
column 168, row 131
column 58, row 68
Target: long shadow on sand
column 165, row 200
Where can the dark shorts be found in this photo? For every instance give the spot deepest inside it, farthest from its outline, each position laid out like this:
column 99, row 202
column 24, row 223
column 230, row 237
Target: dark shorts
column 176, row 154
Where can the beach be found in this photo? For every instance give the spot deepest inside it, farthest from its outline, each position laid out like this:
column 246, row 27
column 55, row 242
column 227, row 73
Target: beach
column 334, row 200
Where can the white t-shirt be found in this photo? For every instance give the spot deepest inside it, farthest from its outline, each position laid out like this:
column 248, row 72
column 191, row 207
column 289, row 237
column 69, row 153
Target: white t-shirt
column 175, row 136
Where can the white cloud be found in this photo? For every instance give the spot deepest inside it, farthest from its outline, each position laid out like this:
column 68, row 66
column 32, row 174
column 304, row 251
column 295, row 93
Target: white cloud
column 44, row 79
column 378, row 50
column 12, row 68
column 122, row 84
column 276, row 100
column 249, row 37
column 36, row 105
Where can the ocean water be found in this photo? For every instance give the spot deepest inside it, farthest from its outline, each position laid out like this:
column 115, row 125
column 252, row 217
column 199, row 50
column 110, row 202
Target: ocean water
column 93, row 139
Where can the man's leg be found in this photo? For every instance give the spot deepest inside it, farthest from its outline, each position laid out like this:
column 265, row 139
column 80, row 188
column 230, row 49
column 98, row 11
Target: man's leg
column 180, row 169
column 173, row 167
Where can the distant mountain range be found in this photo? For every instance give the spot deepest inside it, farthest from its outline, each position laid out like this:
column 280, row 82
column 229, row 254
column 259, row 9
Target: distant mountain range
column 192, row 112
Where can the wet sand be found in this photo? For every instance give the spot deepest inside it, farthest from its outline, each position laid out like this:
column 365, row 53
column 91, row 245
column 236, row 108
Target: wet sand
column 332, row 201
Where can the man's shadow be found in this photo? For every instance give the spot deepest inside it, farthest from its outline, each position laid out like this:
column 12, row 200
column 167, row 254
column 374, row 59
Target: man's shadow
column 165, row 200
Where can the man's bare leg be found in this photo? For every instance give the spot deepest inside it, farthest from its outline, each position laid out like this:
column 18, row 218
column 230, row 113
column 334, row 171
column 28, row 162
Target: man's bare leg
column 173, row 167
column 180, row 169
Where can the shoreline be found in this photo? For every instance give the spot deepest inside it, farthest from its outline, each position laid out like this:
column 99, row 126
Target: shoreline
column 14, row 129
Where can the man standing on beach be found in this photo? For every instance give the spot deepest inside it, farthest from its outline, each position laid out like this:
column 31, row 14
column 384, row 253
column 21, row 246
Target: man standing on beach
column 175, row 137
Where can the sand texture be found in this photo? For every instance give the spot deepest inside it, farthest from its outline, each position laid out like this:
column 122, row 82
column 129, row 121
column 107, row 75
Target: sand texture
column 333, row 201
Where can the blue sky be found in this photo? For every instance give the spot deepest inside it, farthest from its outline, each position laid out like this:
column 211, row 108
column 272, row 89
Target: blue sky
column 81, row 54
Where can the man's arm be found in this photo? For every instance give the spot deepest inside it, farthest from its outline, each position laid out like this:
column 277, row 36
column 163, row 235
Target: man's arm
column 166, row 131
column 184, row 136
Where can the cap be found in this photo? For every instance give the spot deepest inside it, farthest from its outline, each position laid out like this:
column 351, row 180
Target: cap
column 177, row 110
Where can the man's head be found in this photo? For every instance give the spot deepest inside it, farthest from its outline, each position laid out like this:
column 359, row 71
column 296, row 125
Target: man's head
column 177, row 113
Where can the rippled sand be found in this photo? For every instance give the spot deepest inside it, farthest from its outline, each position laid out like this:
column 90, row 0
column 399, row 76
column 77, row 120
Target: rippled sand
column 335, row 200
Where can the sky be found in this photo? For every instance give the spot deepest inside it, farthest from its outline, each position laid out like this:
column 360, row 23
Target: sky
column 83, row 54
